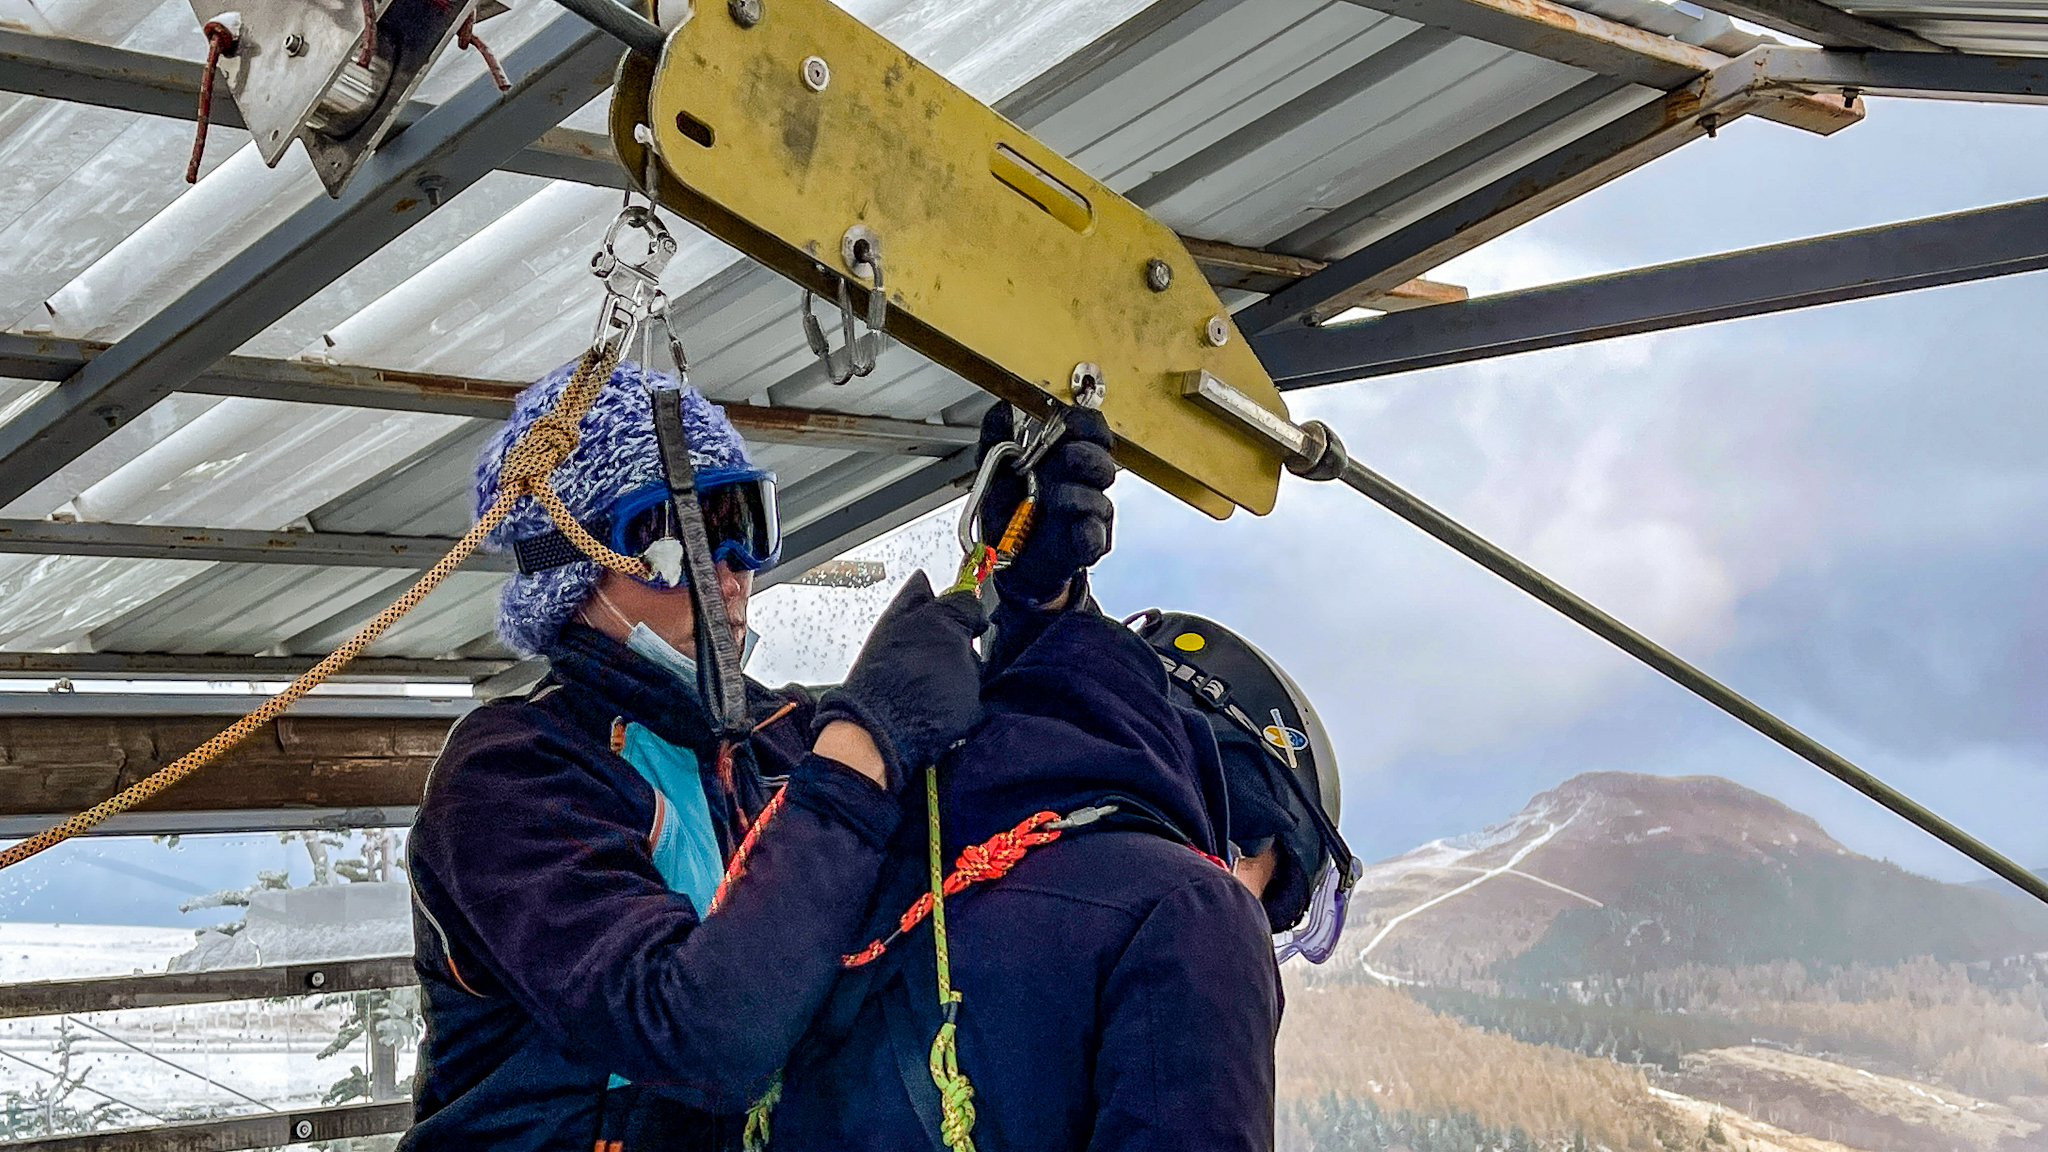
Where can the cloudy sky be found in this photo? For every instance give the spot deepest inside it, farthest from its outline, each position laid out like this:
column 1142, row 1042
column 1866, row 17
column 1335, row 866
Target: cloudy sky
column 1837, row 511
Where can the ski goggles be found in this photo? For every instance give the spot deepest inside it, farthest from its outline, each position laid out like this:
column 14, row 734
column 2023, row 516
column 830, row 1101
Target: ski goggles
column 741, row 523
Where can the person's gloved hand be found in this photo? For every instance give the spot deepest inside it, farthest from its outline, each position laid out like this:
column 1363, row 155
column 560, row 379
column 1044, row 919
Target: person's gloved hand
column 916, row 686
column 1071, row 530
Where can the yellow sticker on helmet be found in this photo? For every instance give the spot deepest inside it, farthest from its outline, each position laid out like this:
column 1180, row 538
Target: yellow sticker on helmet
column 1189, row 642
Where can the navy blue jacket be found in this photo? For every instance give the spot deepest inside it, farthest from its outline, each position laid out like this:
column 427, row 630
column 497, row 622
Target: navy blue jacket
column 1119, row 987
column 552, row 956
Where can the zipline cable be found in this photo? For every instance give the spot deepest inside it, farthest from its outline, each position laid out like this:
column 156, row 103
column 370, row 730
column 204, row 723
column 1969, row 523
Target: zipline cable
column 1314, row 452
column 1404, row 504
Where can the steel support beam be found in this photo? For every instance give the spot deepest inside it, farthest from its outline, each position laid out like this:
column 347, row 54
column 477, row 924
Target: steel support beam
column 42, row 358
column 174, row 989
column 1937, row 76
column 1601, row 46
column 234, row 546
column 172, row 666
column 1824, row 24
column 1927, row 253
column 559, row 69
column 1618, row 147
column 234, row 820
column 80, row 72
column 263, row 1130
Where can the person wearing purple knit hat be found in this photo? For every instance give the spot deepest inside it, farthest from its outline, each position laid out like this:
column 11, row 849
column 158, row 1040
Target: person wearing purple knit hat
column 572, row 843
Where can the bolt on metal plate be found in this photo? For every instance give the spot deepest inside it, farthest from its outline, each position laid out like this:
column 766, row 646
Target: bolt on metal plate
column 745, row 13
column 817, row 73
column 1158, row 274
column 858, row 248
column 1217, row 331
column 1087, row 385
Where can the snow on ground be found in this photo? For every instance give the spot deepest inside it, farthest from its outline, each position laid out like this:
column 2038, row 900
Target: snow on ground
column 211, row 1055
column 1458, row 851
column 72, row 951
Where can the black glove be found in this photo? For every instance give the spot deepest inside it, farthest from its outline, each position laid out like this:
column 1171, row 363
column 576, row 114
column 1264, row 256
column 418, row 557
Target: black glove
column 1071, row 530
column 916, row 686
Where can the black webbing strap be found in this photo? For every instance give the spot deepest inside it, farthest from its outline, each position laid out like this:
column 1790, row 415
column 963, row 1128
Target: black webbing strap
column 719, row 680
column 1214, row 694
column 552, row 549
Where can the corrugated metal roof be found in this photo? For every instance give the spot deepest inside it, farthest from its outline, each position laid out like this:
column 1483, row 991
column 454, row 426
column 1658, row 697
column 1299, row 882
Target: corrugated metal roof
column 1992, row 27
column 1313, row 126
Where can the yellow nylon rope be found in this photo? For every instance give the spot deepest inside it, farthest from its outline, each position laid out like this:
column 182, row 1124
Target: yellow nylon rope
column 528, row 464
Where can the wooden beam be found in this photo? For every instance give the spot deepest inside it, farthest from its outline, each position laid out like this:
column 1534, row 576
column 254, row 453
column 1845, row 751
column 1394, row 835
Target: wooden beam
column 177, row 666
column 1257, row 270
column 65, row 764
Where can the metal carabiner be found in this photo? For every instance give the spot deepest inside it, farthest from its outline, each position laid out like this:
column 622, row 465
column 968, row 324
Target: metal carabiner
column 970, row 515
column 1023, row 453
column 632, row 286
column 851, row 360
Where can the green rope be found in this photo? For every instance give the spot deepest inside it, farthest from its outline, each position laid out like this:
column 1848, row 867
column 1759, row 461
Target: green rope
column 956, row 1094
column 755, row 1138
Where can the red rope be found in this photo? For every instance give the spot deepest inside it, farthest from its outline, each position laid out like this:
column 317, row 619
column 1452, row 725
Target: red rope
column 466, row 37
column 368, row 51
column 219, row 42
column 989, row 860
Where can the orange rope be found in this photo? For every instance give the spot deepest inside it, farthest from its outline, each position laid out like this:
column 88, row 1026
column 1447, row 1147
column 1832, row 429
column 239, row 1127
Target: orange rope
column 527, row 467
column 989, row 860
column 738, row 867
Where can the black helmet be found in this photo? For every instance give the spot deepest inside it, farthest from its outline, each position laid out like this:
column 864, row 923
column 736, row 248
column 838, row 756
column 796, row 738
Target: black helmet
column 1280, row 768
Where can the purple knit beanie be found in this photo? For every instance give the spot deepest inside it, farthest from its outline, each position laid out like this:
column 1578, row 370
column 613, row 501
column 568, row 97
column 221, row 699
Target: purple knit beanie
column 615, row 454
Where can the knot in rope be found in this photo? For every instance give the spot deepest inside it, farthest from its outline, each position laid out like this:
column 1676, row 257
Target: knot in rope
column 992, row 858
column 538, row 452
column 956, row 1092
column 755, row 1137
column 989, row 860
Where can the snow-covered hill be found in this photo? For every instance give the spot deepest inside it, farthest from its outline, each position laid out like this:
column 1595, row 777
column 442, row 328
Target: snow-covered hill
column 1615, row 872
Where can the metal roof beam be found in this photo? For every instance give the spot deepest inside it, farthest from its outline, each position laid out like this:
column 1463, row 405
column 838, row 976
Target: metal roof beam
column 1583, row 40
column 171, row 989
column 105, row 76
column 1618, row 147
column 1566, row 35
column 310, row 382
column 1824, row 24
column 1944, row 76
column 235, row 546
column 559, row 69
column 1856, row 265
column 262, row 1130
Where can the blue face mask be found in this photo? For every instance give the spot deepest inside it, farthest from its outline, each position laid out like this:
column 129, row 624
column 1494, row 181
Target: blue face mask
column 655, row 650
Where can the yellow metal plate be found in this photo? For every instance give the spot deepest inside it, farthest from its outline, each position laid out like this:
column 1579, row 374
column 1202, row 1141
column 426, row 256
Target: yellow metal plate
column 1001, row 260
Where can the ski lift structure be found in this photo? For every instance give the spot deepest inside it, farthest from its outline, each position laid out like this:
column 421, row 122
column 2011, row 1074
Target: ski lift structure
column 240, row 414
